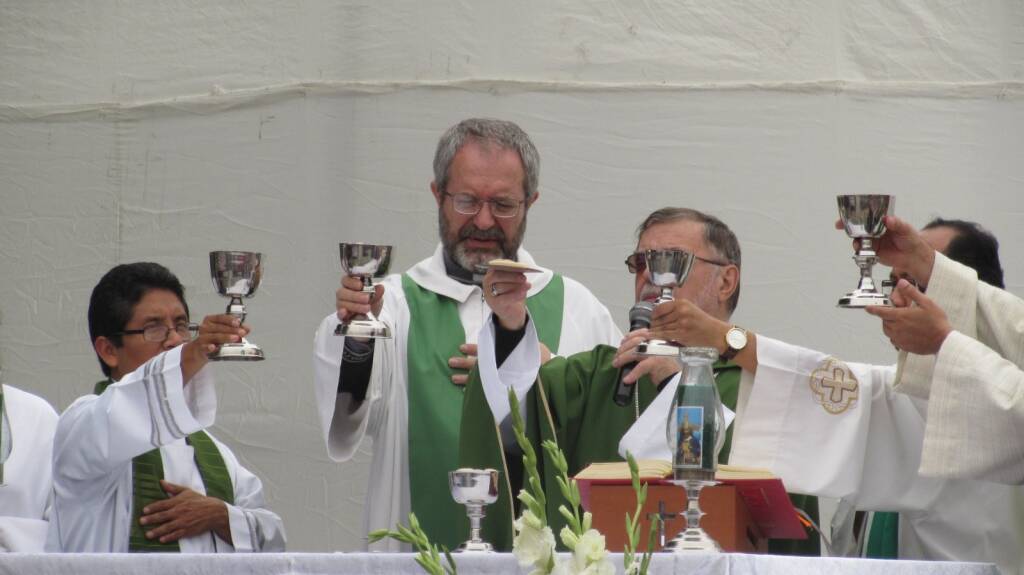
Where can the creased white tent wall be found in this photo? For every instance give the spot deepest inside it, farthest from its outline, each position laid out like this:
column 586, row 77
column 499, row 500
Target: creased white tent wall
column 162, row 130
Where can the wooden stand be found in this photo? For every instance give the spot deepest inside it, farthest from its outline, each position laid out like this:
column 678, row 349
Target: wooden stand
column 727, row 519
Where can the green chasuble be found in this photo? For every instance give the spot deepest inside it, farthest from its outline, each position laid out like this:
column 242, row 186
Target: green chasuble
column 574, row 406
column 148, row 470
column 436, row 404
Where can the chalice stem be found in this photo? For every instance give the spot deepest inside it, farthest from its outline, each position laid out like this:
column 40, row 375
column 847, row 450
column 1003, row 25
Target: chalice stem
column 476, row 515
column 236, row 308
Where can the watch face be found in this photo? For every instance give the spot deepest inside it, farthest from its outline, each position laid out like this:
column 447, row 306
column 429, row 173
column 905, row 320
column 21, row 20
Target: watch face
column 736, row 338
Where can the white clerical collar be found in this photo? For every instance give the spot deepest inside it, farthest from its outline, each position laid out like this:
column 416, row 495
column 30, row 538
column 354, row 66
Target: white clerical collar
column 430, row 274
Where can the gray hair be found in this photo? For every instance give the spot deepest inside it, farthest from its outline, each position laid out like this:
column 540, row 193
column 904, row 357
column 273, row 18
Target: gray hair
column 502, row 133
column 717, row 235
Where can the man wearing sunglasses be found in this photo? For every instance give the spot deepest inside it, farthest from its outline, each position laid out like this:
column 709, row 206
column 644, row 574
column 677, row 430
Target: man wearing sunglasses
column 839, row 429
column 574, row 403
column 134, row 468
column 406, row 392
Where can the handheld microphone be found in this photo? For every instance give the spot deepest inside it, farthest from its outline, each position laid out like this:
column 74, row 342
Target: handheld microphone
column 639, row 317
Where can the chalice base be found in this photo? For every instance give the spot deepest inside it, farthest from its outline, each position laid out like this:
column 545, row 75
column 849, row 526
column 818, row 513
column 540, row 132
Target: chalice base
column 475, row 547
column 860, row 299
column 657, row 347
column 693, row 541
column 243, row 351
column 364, row 328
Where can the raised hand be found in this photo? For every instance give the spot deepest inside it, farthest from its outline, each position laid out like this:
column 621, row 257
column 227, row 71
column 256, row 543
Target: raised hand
column 903, row 249
column 505, row 293
column 681, row 321
column 351, row 301
column 215, row 331
column 919, row 328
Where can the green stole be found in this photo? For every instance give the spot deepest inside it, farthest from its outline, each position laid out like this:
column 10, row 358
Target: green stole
column 727, row 377
column 435, row 403
column 883, row 536
column 148, row 470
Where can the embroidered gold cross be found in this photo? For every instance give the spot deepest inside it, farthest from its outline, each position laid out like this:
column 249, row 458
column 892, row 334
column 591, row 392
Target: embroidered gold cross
column 834, row 386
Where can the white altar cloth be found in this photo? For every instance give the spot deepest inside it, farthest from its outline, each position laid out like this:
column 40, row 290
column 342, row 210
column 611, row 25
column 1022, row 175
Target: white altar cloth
column 373, row 563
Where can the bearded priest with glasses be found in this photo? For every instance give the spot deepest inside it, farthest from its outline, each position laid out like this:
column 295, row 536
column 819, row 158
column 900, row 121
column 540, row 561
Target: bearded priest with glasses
column 134, row 469
column 406, row 393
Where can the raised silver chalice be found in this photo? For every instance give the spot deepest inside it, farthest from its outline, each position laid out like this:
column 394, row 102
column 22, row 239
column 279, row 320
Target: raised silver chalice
column 862, row 217
column 236, row 275
column 668, row 270
column 474, row 488
column 366, row 262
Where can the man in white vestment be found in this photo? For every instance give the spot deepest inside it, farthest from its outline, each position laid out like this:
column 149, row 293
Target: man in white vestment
column 962, row 350
column 134, row 468
column 27, row 425
column 406, row 392
column 838, row 429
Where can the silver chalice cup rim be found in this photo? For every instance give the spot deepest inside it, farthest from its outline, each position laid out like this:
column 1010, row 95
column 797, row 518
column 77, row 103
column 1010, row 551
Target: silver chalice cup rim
column 863, row 204
column 227, row 278
column 381, row 256
column 478, row 486
column 674, row 263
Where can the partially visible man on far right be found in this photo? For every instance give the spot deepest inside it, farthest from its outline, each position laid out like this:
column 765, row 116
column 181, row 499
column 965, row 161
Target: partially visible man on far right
column 963, row 350
column 840, row 429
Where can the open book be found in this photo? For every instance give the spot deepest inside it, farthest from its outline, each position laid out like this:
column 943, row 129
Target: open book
column 660, row 469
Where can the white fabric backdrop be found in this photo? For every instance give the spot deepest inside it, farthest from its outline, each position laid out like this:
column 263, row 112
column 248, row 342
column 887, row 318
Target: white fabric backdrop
column 162, row 130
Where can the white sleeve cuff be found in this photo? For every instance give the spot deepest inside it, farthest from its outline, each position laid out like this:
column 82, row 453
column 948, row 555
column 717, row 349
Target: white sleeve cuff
column 241, row 530
column 518, row 372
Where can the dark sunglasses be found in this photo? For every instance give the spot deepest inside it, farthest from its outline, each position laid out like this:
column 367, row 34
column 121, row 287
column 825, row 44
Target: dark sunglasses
column 636, row 263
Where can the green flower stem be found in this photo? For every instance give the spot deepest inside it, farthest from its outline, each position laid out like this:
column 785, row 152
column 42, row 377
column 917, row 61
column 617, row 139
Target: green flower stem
column 428, row 555
column 537, row 503
column 629, row 557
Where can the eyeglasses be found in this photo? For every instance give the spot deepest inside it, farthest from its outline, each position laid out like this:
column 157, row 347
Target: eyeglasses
column 636, row 263
column 160, row 333
column 468, row 205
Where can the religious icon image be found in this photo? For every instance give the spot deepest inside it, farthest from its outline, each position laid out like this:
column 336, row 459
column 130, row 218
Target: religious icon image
column 690, row 426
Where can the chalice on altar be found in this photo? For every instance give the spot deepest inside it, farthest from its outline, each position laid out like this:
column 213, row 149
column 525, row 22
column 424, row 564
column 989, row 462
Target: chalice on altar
column 236, row 275
column 862, row 217
column 474, row 488
column 668, row 270
column 366, row 262
column 695, row 434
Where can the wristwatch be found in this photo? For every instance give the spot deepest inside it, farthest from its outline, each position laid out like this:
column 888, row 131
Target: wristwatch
column 735, row 340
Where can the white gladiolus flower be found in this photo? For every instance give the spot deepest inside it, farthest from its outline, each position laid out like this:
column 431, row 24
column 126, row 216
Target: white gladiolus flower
column 532, row 546
column 590, row 556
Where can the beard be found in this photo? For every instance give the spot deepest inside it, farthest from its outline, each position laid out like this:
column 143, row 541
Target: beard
column 468, row 258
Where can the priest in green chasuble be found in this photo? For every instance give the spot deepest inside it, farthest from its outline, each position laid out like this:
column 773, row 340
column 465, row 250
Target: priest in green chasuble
column 573, row 402
column 405, row 393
